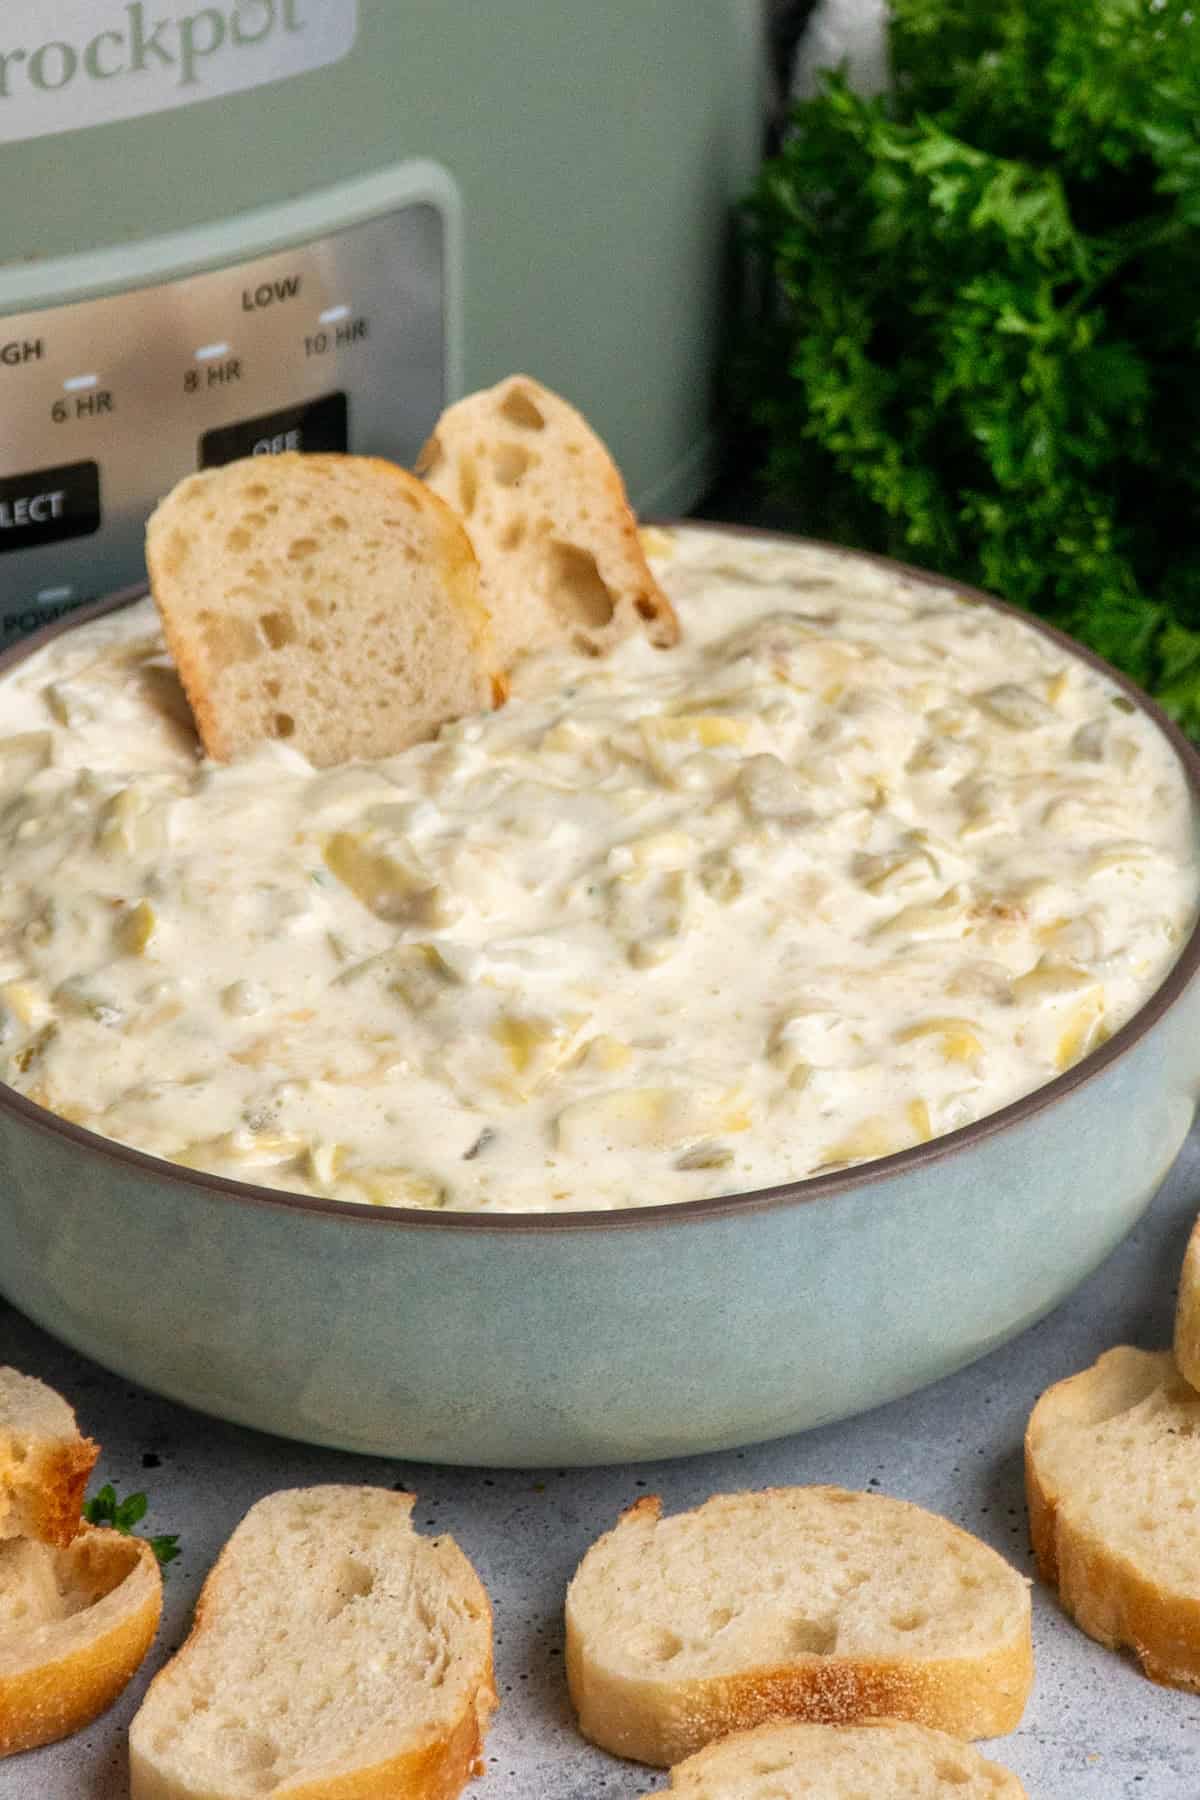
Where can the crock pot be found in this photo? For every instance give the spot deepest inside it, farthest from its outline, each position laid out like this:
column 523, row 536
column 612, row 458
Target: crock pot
column 258, row 225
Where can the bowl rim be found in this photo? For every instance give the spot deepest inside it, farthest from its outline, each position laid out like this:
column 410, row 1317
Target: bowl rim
column 803, row 1191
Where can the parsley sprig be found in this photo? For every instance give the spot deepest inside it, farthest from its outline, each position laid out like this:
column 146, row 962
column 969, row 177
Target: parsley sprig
column 124, row 1515
column 982, row 350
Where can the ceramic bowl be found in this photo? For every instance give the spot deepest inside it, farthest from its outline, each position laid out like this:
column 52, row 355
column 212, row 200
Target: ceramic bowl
column 523, row 1340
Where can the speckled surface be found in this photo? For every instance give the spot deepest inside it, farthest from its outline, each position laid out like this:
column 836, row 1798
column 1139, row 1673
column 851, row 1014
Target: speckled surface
column 1094, row 1729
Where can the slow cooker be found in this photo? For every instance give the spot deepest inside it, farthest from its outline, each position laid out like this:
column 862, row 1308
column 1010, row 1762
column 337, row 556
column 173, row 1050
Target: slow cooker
column 259, row 225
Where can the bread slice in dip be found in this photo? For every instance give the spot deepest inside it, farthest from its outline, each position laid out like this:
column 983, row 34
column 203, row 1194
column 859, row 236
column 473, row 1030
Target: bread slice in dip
column 330, row 602
column 547, row 512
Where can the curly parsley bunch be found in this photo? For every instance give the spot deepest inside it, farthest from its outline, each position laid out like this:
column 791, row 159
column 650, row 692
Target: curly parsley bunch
column 983, row 345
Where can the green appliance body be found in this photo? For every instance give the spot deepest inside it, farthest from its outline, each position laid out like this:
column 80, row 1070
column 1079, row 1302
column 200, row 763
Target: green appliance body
column 258, row 225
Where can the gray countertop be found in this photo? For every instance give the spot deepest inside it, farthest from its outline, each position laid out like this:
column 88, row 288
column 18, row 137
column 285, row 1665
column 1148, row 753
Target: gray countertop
column 1095, row 1729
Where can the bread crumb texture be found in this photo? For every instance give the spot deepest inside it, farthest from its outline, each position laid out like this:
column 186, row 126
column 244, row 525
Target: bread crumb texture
column 816, row 1604
column 1112, row 1463
column 546, row 509
column 335, row 1655
column 842, row 1762
column 75, row 1624
column 327, row 602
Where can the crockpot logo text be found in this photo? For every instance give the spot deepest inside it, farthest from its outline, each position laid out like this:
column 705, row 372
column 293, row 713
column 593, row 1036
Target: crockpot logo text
column 147, row 42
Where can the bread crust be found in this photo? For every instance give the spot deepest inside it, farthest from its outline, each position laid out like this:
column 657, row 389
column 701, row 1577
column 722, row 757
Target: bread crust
column 74, row 1683
column 1107, row 1596
column 45, row 1462
column 660, row 1721
column 1187, row 1312
column 57, row 1481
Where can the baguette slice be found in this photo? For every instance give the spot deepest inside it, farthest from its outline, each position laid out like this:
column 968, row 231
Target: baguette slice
column 44, row 1461
column 74, row 1626
column 795, row 1603
column 547, row 512
column 841, row 1762
column 1187, row 1312
column 331, row 601
column 1112, row 1471
column 335, row 1655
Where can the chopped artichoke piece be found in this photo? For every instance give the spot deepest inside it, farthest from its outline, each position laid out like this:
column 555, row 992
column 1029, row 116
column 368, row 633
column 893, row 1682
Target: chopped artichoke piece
column 604, row 1052
column 536, row 1048
column 1084, row 1031
column 876, row 1136
column 668, row 738
column 705, row 1156
column 25, row 1002
column 265, row 1148
column 957, row 1040
column 135, row 929
column 388, row 877
column 31, row 1053
column 1015, row 707
column 943, row 917
column 242, row 999
column 1089, row 741
column 1131, row 856
column 324, row 1162
column 1049, row 981
column 919, row 1120
column 381, row 1185
column 883, row 1134
column 770, row 790
column 887, row 874
column 417, row 973
column 67, row 704
column 709, row 730
column 23, row 755
column 130, row 822
column 938, row 756
column 660, row 850
column 799, row 1072
column 76, row 997
column 720, row 877
column 651, row 912
column 623, row 1119
column 524, row 1039
column 735, row 1113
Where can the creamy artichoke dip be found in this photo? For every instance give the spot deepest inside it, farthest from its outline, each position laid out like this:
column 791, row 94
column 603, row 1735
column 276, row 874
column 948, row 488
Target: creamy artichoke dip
column 859, row 862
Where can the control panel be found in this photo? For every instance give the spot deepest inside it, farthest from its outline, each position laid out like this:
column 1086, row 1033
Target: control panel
column 340, row 342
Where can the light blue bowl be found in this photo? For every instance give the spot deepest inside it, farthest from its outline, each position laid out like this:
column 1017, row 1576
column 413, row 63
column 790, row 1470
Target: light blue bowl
column 524, row 1340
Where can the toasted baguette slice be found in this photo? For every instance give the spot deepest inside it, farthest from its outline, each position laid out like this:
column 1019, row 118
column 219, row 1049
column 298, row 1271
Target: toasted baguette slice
column 335, row 1655
column 841, row 1762
column 795, row 1603
column 74, row 1626
column 1187, row 1312
column 1112, row 1470
column 331, row 601
column 44, row 1461
column 546, row 510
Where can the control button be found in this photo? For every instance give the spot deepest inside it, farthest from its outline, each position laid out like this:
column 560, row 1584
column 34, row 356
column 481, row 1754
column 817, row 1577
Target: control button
column 49, row 505
column 320, row 425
